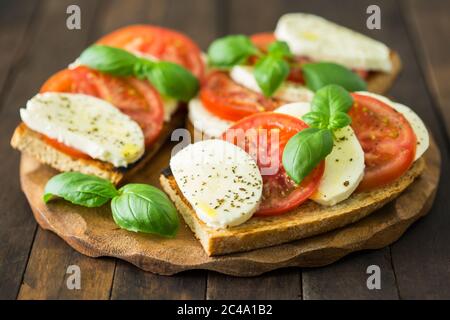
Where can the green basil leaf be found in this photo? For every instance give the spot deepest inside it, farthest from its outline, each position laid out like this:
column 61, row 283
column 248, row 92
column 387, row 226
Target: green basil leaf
column 332, row 99
column 339, row 120
column 305, row 151
column 144, row 208
column 80, row 189
column 142, row 68
column 316, row 119
column 173, row 80
column 230, row 51
column 270, row 72
column 279, row 49
column 318, row 75
column 111, row 60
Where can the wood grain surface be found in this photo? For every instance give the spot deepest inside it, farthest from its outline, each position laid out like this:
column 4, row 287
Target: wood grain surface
column 34, row 43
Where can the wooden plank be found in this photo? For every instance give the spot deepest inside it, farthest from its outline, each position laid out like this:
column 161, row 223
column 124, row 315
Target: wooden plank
column 429, row 26
column 45, row 273
column 14, row 22
column 133, row 283
column 130, row 282
column 17, row 227
column 282, row 284
column 347, row 279
column 421, row 258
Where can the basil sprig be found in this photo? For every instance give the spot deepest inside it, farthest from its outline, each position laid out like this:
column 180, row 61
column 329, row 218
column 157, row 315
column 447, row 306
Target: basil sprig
column 135, row 207
column 318, row 75
column 169, row 79
column 271, row 68
column 305, row 150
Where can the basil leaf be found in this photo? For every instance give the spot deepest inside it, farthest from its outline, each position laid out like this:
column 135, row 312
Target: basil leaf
column 230, row 51
column 80, row 189
column 270, row 72
column 173, row 80
column 318, row 75
column 144, row 208
column 305, row 151
column 142, row 68
column 339, row 120
column 316, row 119
column 279, row 49
column 332, row 99
column 111, row 60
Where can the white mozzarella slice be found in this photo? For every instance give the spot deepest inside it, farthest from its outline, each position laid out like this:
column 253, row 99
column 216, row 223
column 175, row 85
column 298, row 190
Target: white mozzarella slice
column 288, row 91
column 419, row 128
column 205, row 121
column 322, row 40
column 344, row 166
column 221, row 182
column 88, row 124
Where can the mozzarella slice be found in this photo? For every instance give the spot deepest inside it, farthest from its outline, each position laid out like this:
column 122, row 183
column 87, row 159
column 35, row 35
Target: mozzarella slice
column 88, row 124
column 205, row 121
column 288, row 91
column 322, row 40
column 221, row 182
column 344, row 166
column 419, row 128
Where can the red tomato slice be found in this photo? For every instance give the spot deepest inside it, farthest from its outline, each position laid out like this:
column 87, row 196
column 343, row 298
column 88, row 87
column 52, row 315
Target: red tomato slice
column 162, row 43
column 231, row 101
column 388, row 141
column 136, row 98
column 280, row 192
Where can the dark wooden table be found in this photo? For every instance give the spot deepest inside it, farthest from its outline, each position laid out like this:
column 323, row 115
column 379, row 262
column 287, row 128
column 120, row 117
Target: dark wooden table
column 34, row 43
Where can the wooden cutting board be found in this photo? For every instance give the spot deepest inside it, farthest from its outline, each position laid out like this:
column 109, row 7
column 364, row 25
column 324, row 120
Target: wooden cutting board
column 94, row 233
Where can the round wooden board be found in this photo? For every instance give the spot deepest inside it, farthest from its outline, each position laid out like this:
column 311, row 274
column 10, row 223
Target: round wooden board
column 94, row 233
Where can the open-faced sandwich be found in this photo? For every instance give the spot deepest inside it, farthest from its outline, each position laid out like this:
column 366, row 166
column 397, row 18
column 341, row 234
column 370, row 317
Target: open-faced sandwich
column 110, row 111
column 267, row 70
column 303, row 169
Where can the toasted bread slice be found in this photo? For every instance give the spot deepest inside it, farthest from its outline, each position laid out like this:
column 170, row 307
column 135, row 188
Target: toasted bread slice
column 307, row 220
column 31, row 143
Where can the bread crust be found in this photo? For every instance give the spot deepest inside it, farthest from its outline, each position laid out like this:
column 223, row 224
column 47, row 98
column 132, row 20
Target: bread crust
column 30, row 142
column 308, row 220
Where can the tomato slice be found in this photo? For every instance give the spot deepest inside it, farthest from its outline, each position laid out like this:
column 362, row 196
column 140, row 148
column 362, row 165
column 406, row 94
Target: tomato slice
column 388, row 141
column 231, row 101
column 136, row 98
column 280, row 192
column 162, row 43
